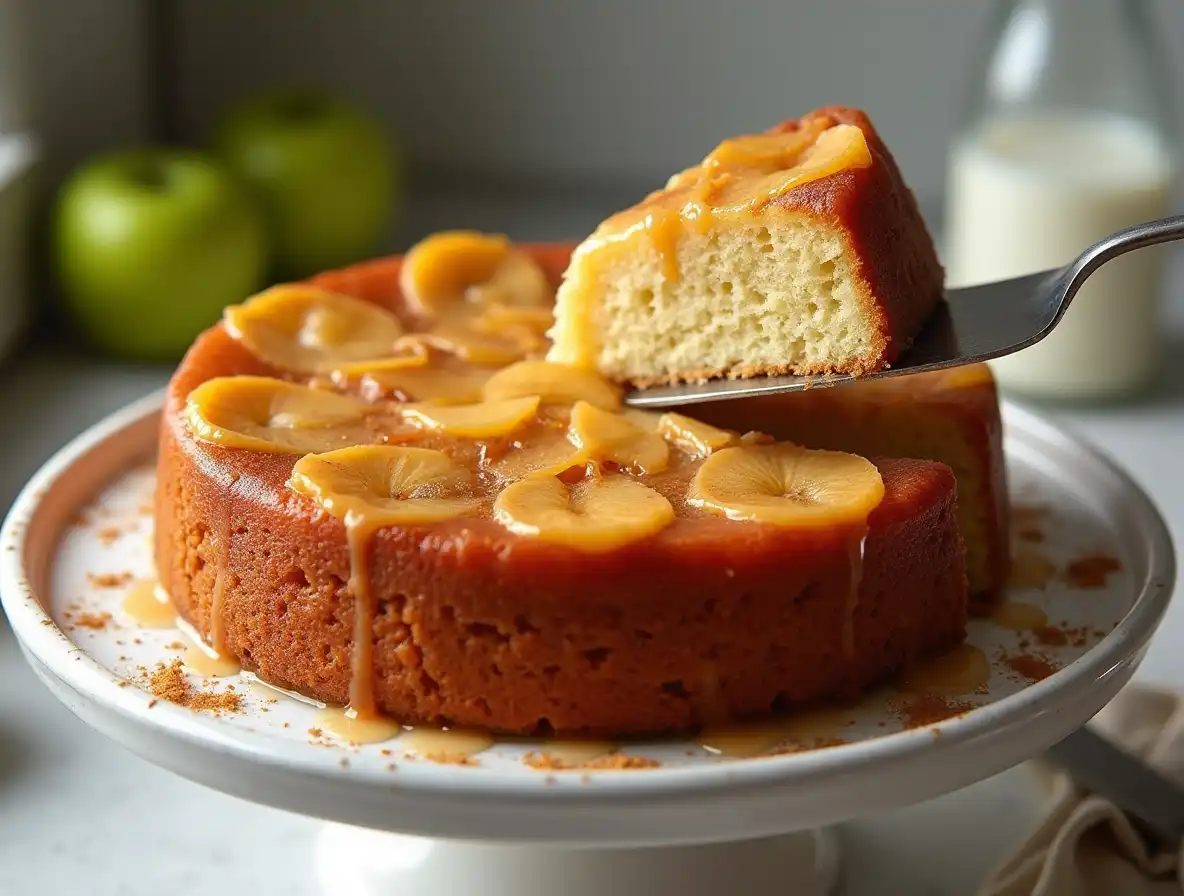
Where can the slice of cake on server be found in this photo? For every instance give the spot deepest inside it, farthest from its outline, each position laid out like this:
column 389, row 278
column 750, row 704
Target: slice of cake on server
column 799, row 250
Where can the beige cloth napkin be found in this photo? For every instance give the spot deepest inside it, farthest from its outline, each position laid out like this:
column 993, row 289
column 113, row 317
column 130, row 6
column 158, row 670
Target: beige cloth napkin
column 1084, row 845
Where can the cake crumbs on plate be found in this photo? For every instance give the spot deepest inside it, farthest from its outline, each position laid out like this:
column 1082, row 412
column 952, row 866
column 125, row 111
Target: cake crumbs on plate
column 542, row 761
column 620, row 762
column 108, row 535
column 1050, row 636
column 96, row 621
column 390, row 767
column 444, row 758
column 929, row 709
column 1030, row 666
column 170, row 683
column 1091, row 571
column 545, row 762
column 109, row 579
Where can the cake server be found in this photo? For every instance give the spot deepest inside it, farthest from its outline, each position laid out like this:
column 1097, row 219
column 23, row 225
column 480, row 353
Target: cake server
column 1153, row 803
column 973, row 324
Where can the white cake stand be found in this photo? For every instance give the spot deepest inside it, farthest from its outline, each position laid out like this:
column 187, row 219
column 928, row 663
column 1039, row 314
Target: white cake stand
column 698, row 824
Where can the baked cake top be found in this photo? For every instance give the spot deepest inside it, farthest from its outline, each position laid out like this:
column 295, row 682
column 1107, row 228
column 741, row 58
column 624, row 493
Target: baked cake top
column 449, row 412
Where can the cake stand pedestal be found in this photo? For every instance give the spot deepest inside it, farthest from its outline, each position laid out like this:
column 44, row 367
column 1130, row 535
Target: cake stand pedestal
column 693, row 824
column 354, row 861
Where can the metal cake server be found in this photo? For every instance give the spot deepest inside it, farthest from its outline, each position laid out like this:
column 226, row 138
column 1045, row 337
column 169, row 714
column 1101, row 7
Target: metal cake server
column 1153, row 803
column 973, row 324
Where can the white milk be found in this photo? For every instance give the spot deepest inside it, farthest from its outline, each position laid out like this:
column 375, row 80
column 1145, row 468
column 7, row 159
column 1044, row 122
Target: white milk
column 1030, row 194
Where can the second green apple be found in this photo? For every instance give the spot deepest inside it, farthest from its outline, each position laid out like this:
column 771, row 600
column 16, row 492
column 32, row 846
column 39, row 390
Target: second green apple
column 323, row 172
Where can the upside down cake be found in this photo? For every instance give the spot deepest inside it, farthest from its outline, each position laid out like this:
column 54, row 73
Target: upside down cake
column 387, row 487
column 373, row 491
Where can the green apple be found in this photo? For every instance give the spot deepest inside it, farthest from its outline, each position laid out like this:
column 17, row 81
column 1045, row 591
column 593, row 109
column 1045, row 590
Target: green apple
column 323, row 172
column 149, row 245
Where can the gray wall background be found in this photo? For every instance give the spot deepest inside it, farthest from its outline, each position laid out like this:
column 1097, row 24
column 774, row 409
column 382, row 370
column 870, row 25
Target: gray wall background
column 604, row 91
column 596, row 96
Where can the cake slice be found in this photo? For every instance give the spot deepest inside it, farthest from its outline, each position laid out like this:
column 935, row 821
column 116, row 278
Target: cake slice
column 799, row 250
column 951, row 416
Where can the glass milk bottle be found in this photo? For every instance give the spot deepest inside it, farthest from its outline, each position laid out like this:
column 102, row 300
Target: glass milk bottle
column 1070, row 136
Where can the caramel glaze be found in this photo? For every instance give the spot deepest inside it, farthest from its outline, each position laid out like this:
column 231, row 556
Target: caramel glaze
column 963, row 670
column 361, row 685
column 1018, row 615
column 422, row 621
column 148, row 605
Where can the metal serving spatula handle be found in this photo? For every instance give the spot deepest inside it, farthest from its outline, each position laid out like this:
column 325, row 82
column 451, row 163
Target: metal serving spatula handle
column 974, row 324
column 1065, row 283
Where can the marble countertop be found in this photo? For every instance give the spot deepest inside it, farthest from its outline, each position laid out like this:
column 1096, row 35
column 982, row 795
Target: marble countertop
column 80, row 814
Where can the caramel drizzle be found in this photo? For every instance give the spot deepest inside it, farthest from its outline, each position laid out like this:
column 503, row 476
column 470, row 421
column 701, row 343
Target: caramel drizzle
column 361, row 686
column 1018, row 615
column 445, row 744
column 347, row 725
column 778, row 163
column 963, row 670
column 856, row 548
column 149, row 606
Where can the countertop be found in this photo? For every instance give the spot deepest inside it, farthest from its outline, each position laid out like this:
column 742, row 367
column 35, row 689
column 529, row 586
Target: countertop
column 79, row 814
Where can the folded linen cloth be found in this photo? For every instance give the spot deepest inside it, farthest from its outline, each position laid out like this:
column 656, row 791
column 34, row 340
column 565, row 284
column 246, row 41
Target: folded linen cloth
column 1085, row 845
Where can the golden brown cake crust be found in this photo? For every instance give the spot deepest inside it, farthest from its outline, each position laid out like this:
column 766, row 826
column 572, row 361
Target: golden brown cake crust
column 707, row 620
column 879, row 214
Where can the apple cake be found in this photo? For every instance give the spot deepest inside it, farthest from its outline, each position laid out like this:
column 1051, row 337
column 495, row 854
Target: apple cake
column 374, row 490
column 799, row 251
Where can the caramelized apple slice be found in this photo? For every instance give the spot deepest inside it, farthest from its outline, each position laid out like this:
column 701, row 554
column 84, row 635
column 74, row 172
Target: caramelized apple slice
column 611, row 437
column 406, row 354
column 787, row 485
column 384, row 485
column 457, row 272
column 548, row 452
column 594, row 515
column 487, row 420
column 556, row 383
column 694, row 437
column 305, row 329
column 465, row 344
column 264, row 414
column 437, row 385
